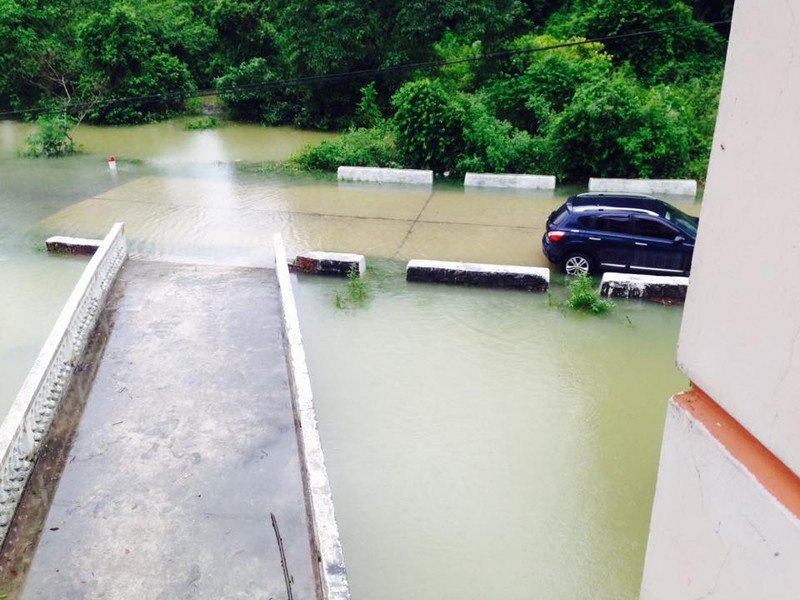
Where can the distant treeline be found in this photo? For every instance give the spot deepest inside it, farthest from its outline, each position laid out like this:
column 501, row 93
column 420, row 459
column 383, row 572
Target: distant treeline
column 452, row 85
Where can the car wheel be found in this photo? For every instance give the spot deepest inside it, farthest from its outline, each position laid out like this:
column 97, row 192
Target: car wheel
column 577, row 264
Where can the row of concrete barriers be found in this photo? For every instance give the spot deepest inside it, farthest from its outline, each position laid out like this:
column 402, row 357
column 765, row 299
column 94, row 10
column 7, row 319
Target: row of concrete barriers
column 684, row 187
column 535, row 279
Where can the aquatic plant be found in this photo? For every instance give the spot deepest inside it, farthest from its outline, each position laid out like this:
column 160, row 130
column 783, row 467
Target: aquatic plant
column 203, row 123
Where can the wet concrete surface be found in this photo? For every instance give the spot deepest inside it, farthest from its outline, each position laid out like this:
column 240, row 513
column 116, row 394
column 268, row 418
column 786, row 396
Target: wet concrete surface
column 185, row 447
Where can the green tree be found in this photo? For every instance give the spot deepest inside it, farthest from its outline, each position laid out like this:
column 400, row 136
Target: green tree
column 428, row 126
column 617, row 128
column 683, row 48
column 539, row 82
column 122, row 60
column 250, row 93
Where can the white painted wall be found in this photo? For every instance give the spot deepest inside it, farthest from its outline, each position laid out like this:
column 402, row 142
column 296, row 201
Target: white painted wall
column 740, row 338
column 683, row 187
column 715, row 532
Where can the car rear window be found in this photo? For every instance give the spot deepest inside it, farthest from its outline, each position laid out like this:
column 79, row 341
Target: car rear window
column 559, row 216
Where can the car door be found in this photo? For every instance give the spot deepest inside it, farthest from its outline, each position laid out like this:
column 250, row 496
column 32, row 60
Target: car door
column 610, row 242
column 658, row 247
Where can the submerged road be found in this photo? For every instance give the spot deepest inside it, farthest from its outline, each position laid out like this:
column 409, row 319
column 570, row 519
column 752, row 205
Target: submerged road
column 185, row 447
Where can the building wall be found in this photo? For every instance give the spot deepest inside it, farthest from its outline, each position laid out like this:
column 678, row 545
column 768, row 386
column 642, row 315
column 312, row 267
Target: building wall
column 740, row 338
column 726, row 515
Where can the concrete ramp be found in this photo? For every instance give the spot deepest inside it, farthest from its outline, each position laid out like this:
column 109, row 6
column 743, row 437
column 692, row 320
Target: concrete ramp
column 185, row 447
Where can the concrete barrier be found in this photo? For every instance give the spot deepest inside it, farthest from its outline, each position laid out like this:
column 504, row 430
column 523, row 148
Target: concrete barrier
column 329, row 263
column 325, row 541
column 61, row 244
column 378, row 175
column 531, row 182
column 25, row 428
column 682, row 187
column 535, row 279
column 647, row 287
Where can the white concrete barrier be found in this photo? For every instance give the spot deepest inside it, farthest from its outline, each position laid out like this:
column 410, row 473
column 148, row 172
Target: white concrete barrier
column 535, row 279
column 646, row 287
column 530, row 182
column 61, row 244
column 28, row 421
column 329, row 263
column 326, row 543
column 681, row 187
column 379, row 175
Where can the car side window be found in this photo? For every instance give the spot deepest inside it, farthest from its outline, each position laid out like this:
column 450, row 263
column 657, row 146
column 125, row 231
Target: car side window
column 585, row 222
column 647, row 227
column 613, row 224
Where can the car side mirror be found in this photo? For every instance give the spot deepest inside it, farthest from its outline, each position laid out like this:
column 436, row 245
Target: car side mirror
column 679, row 239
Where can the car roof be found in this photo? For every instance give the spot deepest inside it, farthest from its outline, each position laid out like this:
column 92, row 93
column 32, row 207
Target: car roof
column 616, row 202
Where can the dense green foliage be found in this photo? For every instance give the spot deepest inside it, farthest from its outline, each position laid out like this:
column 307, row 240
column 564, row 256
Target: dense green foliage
column 640, row 105
column 584, row 297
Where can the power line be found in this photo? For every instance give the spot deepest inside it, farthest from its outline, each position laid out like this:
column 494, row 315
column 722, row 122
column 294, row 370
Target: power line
column 374, row 72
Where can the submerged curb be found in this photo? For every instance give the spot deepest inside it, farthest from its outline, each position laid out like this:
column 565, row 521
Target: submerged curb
column 61, row 244
column 510, row 180
column 681, row 187
column 325, row 541
column 329, row 263
column 647, row 287
column 534, row 279
column 379, row 175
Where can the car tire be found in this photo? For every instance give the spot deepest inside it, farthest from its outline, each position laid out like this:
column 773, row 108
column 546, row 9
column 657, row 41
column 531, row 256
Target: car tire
column 577, row 263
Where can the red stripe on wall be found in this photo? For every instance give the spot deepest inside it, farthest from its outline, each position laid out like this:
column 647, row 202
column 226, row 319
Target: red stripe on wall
column 778, row 479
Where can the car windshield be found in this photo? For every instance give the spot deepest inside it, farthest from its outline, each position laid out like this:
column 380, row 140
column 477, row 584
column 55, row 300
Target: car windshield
column 680, row 218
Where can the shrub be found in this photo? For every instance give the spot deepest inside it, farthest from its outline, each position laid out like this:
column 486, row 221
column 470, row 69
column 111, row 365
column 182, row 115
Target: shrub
column 584, row 296
column 428, row 126
column 52, row 137
column 358, row 148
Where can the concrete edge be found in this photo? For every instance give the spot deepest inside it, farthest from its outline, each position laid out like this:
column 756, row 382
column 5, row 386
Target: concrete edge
column 328, row 263
column 477, row 274
column 657, row 288
column 510, row 180
column 24, row 429
column 381, row 175
column 326, row 542
column 681, row 187
column 61, row 244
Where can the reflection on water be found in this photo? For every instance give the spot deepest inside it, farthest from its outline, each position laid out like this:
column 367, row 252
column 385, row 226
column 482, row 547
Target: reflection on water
column 487, row 444
column 480, row 443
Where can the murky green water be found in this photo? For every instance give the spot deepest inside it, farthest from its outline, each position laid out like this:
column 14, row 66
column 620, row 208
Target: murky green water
column 480, row 443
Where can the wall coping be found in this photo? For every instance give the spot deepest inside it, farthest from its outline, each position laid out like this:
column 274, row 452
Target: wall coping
column 25, row 427
column 326, row 543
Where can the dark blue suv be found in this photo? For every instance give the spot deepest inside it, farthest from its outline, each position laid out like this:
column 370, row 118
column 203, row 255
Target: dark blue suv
column 597, row 232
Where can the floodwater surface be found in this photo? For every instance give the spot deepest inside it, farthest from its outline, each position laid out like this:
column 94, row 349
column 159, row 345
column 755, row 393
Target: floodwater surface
column 480, row 443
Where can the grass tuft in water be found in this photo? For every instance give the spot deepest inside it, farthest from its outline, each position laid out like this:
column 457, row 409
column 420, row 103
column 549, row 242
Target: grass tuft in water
column 585, row 298
column 355, row 294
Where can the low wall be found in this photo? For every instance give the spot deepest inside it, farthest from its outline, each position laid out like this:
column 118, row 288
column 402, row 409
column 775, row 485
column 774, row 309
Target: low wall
column 378, row 175
column 329, row 263
column 25, row 427
column 530, row 182
column 682, row 187
column 326, row 543
column 536, row 279
column 646, row 287
column 61, row 244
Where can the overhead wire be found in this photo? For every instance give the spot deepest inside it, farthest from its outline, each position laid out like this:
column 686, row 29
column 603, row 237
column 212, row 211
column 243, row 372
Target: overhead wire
column 358, row 74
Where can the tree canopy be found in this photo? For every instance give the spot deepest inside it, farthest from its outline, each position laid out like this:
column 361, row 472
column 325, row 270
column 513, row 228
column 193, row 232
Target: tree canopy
column 453, row 84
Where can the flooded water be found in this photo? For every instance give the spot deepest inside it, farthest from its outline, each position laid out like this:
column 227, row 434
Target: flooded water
column 479, row 442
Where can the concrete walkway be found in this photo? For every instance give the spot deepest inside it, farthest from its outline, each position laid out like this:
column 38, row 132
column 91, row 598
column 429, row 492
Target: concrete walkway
column 186, row 445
